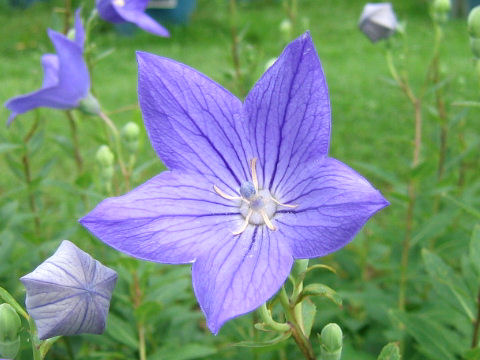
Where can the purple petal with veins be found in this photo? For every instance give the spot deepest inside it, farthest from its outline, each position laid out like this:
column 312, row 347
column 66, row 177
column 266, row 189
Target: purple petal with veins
column 69, row 293
column 250, row 188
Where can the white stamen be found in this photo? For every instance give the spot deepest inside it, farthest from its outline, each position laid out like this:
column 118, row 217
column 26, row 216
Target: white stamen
column 245, row 224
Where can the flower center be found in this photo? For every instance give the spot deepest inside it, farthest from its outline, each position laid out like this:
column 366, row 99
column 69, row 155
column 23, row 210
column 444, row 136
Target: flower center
column 257, row 206
column 119, row 2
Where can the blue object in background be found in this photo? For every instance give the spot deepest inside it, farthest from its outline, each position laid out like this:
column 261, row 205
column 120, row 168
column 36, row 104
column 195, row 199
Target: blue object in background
column 171, row 11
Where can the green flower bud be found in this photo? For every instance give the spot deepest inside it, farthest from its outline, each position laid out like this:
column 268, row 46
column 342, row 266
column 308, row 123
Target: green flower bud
column 71, row 34
column 474, row 22
column 269, row 63
column 105, row 156
column 90, row 105
column 475, row 46
column 331, row 342
column 10, row 325
column 286, row 29
column 442, row 6
column 130, row 133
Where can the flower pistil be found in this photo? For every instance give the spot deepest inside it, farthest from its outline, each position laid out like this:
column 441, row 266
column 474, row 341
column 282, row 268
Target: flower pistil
column 257, row 206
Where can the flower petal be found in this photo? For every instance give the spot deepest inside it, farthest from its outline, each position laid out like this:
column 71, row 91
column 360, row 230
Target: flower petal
column 172, row 218
column 74, row 79
column 51, row 67
column 334, row 202
column 79, row 30
column 289, row 113
column 47, row 97
column 237, row 276
column 193, row 123
column 142, row 20
column 107, row 11
column 69, row 293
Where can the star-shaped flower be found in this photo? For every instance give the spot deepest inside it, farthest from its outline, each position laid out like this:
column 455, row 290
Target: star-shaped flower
column 132, row 11
column 66, row 79
column 69, row 293
column 250, row 186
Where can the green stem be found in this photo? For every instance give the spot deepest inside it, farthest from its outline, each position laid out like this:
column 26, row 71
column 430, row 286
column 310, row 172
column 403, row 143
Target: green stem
column 476, row 325
column 76, row 145
column 137, row 301
column 33, row 340
column 28, row 178
column 266, row 316
column 118, row 148
column 235, row 45
column 68, row 15
column 302, row 341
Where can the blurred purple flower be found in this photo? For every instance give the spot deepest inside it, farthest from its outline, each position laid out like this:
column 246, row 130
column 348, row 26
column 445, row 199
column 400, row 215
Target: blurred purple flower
column 378, row 21
column 133, row 11
column 66, row 80
column 69, row 293
column 250, row 186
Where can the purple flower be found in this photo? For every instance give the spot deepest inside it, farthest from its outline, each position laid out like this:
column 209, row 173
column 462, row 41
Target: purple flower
column 378, row 21
column 133, row 11
column 66, row 80
column 69, row 293
column 250, row 186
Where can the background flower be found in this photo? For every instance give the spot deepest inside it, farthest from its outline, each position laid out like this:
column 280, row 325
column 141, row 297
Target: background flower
column 378, row 21
column 66, row 80
column 133, row 11
column 304, row 204
column 69, row 293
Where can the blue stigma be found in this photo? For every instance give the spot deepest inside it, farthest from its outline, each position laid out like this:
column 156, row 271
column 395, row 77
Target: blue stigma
column 247, row 190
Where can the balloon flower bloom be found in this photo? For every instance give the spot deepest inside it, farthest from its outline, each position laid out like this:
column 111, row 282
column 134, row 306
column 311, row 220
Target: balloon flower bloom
column 132, row 11
column 66, row 80
column 250, row 186
column 69, row 293
column 378, row 21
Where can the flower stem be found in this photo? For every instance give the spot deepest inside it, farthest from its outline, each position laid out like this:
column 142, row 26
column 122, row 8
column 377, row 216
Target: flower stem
column 28, row 177
column 137, row 301
column 302, row 341
column 67, row 16
column 476, row 325
column 118, row 148
column 76, row 146
column 266, row 316
column 235, row 44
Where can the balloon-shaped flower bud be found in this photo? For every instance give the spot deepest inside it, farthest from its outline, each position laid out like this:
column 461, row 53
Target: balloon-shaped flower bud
column 331, row 339
column 105, row 156
column 378, row 21
column 9, row 328
column 440, row 10
column 130, row 135
column 286, row 29
column 69, row 293
column 89, row 105
column 474, row 31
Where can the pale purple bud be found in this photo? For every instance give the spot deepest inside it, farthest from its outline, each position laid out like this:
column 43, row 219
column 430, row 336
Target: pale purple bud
column 378, row 21
column 69, row 293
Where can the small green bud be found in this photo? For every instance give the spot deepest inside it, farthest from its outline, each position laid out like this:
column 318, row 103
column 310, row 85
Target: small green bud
column 71, row 34
column 269, row 63
column 332, row 341
column 10, row 325
column 90, row 105
column 474, row 22
column 442, row 6
column 105, row 156
column 475, row 47
column 286, row 29
column 130, row 133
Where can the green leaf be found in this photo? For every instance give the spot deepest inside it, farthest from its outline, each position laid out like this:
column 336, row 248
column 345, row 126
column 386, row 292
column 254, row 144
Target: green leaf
column 320, row 290
column 390, row 352
column 472, row 354
column 259, row 344
column 184, row 352
column 122, row 331
column 474, row 252
column 309, row 310
column 6, row 147
column 443, row 274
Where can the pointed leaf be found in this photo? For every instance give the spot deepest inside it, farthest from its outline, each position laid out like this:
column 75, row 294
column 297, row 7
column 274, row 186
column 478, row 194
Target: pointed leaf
column 390, row 352
column 475, row 249
column 320, row 290
column 258, row 344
